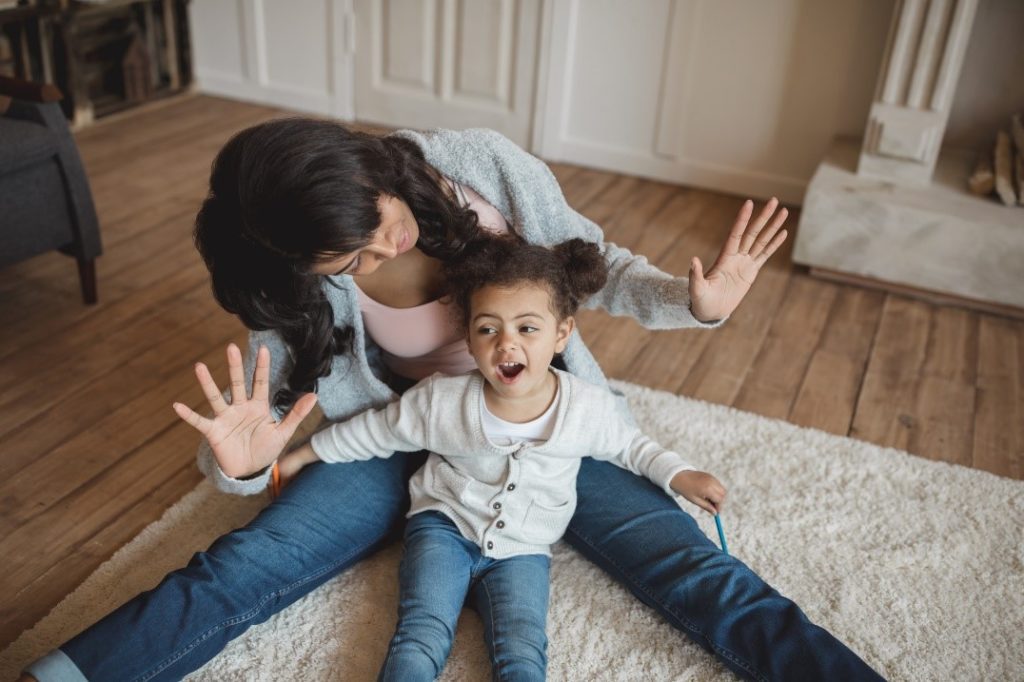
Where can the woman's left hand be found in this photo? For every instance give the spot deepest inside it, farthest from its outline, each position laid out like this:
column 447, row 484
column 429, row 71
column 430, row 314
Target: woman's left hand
column 750, row 244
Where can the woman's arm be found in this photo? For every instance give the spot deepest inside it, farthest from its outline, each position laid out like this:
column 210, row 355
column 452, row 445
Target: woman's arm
column 524, row 190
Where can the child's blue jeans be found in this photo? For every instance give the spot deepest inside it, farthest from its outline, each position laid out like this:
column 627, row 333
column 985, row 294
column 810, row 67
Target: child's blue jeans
column 440, row 569
column 332, row 515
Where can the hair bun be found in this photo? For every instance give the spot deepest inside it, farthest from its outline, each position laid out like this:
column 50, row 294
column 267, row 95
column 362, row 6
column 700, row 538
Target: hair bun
column 585, row 272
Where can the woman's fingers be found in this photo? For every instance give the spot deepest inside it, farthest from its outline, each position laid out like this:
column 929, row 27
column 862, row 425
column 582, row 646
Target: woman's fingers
column 755, row 227
column 300, row 410
column 237, row 375
column 261, row 376
column 732, row 245
column 210, row 390
column 775, row 243
column 200, row 424
column 767, row 235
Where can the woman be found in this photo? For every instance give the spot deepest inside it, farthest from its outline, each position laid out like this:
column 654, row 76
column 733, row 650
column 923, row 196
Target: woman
column 329, row 245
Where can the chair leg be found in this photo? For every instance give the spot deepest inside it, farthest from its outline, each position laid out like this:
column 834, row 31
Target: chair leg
column 87, row 278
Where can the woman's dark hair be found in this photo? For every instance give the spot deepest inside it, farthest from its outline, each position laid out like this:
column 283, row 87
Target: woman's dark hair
column 570, row 271
column 291, row 193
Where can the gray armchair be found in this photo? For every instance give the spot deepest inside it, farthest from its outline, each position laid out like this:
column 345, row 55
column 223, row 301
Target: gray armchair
column 45, row 202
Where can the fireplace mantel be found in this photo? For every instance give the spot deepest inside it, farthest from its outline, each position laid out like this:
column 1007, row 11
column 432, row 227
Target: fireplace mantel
column 892, row 209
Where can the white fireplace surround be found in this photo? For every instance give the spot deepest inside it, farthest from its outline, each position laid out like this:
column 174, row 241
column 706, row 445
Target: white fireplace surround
column 892, row 209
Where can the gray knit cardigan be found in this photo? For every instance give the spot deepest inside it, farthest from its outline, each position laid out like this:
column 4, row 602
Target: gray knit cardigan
column 523, row 190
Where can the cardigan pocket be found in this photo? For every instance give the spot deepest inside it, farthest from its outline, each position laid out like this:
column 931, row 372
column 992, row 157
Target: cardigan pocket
column 447, row 481
column 545, row 524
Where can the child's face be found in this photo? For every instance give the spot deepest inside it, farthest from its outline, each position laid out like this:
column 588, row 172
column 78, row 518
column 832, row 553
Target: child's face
column 513, row 335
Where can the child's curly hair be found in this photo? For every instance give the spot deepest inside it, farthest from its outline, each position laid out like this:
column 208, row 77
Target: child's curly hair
column 571, row 271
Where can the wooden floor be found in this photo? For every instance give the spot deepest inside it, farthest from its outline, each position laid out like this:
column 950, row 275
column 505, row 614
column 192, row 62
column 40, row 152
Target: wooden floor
column 91, row 452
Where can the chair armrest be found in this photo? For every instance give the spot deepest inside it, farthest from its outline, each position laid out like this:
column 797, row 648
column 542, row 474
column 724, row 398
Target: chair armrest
column 26, row 90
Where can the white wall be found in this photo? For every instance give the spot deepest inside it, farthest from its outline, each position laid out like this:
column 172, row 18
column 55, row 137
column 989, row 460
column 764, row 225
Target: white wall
column 294, row 54
column 737, row 95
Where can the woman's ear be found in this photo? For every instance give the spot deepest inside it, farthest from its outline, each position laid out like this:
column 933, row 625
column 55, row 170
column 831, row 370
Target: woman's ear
column 565, row 328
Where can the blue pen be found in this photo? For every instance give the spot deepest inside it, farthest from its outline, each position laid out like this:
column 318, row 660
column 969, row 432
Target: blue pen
column 721, row 534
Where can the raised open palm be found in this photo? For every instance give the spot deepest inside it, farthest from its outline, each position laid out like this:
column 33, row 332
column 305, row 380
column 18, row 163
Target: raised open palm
column 244, row 435
column 749, row 245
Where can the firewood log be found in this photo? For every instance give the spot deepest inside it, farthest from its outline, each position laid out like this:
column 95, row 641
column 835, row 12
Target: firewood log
column 1004, row 169
column 982, row 180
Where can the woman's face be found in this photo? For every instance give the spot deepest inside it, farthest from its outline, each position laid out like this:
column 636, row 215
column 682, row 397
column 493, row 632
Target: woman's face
column 396, row 234
column 513, row 335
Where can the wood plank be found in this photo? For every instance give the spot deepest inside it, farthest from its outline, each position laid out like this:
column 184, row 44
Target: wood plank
column 775, row 377
column 998, row 442
column 22, row 400
column 64, row 528
column 945, row 398
column 49, row 427
column 828, row 395
column 33, row 601
column 885, row 412
column 85, row 471
column 122, row 416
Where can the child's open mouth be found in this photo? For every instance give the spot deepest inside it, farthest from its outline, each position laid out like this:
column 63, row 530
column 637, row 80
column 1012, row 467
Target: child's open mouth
column 509, row 371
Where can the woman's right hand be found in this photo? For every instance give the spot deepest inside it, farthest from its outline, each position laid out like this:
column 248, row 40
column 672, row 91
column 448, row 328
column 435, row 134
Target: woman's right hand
column 243, row 435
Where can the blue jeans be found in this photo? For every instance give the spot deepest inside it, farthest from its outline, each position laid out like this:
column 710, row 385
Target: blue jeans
column 440, row 568
column 332, row 515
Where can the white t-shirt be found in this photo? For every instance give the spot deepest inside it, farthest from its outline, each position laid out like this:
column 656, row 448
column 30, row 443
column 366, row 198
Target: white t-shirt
column 501, row 432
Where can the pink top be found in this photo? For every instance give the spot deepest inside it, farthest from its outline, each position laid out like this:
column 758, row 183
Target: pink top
column 418, row 341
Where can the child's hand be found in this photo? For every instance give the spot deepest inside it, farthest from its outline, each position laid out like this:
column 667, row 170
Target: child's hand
column 701, row 488
column 291, row 463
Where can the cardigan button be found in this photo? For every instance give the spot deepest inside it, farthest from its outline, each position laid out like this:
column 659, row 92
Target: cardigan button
column 497, row 505
column 511, row 487
column 490, row 545
column 501, row 524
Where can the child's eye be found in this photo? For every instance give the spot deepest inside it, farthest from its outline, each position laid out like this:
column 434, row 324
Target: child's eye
column 486, row 330
column 527, row 329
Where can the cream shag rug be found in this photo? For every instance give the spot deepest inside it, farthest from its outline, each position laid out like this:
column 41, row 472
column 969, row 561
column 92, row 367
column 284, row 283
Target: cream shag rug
column 917, row 565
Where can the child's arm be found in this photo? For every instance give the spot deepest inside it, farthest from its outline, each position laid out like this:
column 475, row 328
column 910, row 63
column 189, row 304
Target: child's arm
column 624, row 445
column 668, row 469
column 400, row 426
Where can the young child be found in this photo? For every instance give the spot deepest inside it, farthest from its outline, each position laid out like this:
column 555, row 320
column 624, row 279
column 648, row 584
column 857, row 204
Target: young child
column 505, row 443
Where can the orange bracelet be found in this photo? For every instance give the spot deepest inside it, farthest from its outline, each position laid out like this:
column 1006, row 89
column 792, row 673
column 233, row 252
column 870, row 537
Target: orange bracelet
column 275, row 481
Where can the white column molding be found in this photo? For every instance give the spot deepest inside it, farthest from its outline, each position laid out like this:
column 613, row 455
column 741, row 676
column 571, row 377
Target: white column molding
column 908, row 118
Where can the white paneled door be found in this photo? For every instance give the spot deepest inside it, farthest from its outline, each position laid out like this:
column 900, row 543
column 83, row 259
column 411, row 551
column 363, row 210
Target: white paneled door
column 447, row 64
